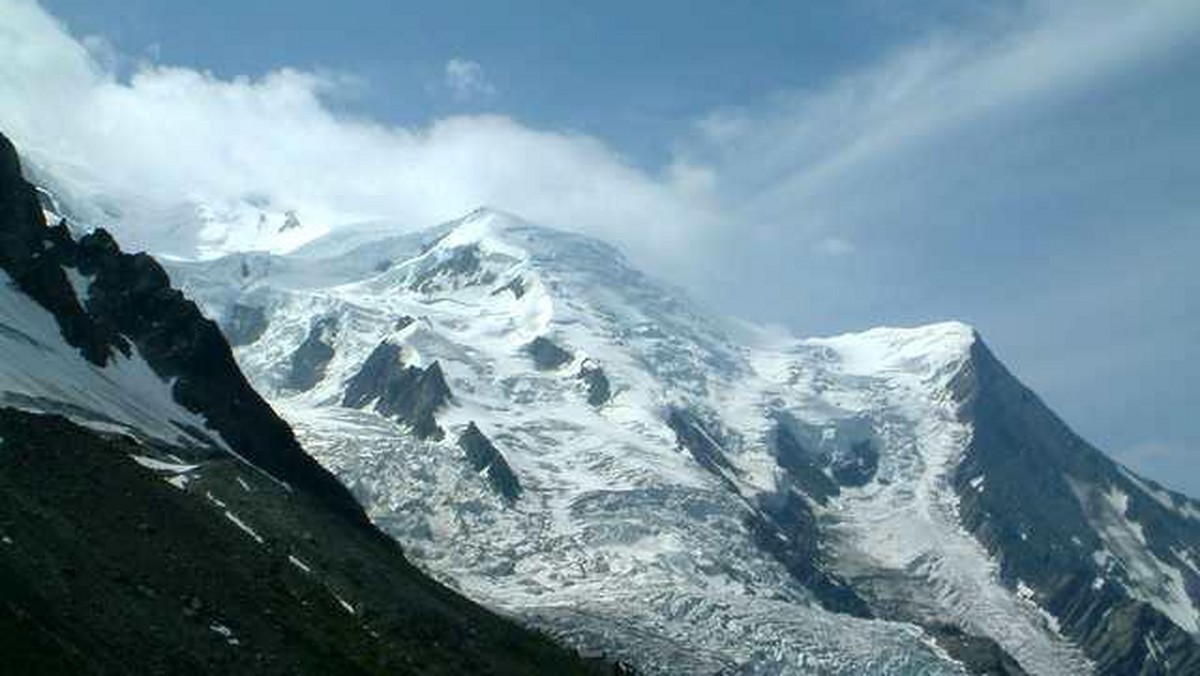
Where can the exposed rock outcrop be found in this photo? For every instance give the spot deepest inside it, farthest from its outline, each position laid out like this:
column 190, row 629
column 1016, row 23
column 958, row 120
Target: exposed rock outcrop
column 785, row 527
column 314, row 354
column 856, row 465
column 462, row 267
column 408, row 393
column 131, row 303
column 599, row 390
column 980, row 655
column 486, row 459
column 804, row 467
column 1022, row 489
column 516, row 285
column 546, row 354
column 693, row 437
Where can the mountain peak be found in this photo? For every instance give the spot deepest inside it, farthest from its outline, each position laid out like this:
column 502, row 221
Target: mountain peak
column 929, row 351
column 483, row 226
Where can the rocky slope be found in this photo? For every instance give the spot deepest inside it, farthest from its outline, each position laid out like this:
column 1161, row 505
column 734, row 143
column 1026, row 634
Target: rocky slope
column 156, row 516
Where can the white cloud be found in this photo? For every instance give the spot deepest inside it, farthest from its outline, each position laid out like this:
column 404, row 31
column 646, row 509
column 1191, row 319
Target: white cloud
column 813, row 171
column 168, row 135
column 465, row 79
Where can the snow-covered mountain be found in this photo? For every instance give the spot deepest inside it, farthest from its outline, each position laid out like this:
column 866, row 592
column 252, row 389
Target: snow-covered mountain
column 570, row 441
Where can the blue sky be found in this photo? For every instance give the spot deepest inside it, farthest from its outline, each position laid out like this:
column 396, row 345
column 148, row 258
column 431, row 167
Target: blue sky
column 629, row 72
column 1029, row 167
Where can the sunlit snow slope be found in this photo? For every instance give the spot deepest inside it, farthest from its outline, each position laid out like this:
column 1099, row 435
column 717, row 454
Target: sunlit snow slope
column 564, row 438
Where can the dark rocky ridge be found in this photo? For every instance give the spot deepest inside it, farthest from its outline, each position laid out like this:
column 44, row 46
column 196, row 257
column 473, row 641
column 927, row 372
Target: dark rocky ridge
column 131, row 302
column 693, row 436
column 463, row 267
column 314, row 354
column 484, row 457
column 804, row 467
column 546, row 354
column 1029, row 517
column 782, row 524
column 408, row 393
column 599, row 390
column 31, row 253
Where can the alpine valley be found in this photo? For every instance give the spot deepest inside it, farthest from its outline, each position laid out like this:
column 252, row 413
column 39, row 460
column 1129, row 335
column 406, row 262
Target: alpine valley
column 545, row 430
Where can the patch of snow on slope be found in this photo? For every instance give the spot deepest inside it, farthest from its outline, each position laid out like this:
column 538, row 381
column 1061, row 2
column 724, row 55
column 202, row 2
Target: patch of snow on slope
column 1148, row 578
column 1178, row 504
column 159, row 465
column 244, row 527
column 299, row 564
column 41, row 372
column 81, row 284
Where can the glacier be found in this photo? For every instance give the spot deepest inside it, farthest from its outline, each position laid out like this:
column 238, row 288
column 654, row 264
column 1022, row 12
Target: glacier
column 623, row 541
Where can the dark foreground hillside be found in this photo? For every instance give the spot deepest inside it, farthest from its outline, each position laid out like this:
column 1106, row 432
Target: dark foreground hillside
column 105, row 568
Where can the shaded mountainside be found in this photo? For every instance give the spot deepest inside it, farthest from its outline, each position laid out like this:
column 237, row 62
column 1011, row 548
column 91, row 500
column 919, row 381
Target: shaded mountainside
column 130, row 303
column 105, row 568
column 156, row 515
column 1109, row 555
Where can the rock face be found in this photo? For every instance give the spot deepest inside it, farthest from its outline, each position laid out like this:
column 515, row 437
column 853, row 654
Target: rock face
column 408, row 393
column 1044, row 502
column 979, row 655
column 692, row 436
column 32, row 254
column 599, row 391
column 783, row 524
column 313, row 355
column 856, row 467
column 461, row 267
column 484, row 458
column 785, row 527
column 131, row 302
column 290, row 221
column 516, row 285
column 546, row 354
column 805, row 468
